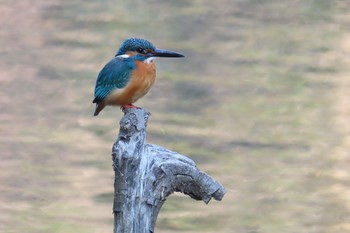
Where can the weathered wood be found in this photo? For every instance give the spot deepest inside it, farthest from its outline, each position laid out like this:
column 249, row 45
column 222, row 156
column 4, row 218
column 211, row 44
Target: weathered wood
column 146, row 174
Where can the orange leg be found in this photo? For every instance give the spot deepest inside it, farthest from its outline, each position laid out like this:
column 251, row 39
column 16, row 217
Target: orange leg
column 128, row 106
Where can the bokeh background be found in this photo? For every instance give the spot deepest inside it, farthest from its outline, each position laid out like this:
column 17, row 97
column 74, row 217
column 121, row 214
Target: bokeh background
column 261, row 103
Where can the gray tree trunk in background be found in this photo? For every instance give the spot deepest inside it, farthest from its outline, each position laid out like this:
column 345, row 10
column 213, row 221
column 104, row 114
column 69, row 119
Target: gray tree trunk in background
column 145, row 175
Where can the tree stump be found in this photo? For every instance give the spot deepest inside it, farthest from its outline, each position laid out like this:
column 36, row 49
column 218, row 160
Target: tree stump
column 146, row 174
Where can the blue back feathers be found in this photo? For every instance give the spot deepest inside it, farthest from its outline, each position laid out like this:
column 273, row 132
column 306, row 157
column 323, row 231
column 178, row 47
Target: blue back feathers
column 115, row 75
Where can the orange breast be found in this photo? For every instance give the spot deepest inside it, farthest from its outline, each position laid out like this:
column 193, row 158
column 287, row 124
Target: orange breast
column 142, row 79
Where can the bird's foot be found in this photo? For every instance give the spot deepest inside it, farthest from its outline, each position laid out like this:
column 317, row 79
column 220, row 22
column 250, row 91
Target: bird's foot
column 123, row 107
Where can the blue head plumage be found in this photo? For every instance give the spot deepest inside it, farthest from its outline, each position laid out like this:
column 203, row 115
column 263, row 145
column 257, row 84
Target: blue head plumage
column 138, row 45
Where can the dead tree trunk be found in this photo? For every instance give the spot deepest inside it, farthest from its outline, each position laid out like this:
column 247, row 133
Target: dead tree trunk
column 146, row 174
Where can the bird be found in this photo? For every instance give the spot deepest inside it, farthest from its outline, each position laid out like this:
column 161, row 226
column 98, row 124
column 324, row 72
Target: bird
column 129, row 75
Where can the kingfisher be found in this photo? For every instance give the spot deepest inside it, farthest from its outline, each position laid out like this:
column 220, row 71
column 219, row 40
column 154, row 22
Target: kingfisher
column 129, row 75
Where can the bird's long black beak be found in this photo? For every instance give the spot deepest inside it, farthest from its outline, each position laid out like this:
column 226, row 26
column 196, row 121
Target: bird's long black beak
column 165, row 53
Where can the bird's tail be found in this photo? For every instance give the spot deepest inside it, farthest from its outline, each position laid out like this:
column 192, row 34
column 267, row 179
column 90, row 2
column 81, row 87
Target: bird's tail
column 99, row 107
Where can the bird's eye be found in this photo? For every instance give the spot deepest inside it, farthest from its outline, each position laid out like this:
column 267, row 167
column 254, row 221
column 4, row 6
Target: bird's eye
column 141, row 50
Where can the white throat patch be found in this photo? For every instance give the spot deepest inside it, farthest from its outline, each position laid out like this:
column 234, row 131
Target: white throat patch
column 149, row 60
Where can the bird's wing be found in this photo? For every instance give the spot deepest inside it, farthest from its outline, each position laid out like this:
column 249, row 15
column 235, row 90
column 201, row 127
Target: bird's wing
column 115, row 75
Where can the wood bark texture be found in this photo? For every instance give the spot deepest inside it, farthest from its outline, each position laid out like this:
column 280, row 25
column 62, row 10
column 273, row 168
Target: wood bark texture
column 146, row 174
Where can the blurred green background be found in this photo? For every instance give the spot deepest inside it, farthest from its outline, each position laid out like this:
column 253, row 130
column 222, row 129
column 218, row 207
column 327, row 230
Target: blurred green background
column 261, row 103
